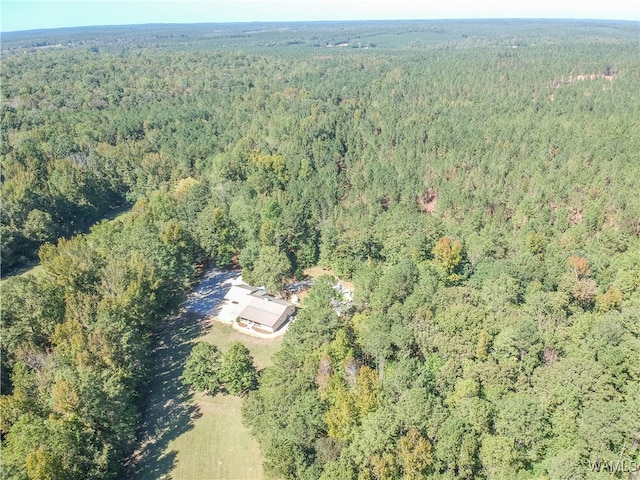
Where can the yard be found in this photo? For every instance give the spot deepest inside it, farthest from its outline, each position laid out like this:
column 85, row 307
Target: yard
column 196, row 437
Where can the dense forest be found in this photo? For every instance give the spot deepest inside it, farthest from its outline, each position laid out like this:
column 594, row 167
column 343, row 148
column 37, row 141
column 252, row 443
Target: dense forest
column 477, row 181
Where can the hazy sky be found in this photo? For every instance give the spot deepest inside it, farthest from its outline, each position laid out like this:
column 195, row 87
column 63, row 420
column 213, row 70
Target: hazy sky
column 27, row 14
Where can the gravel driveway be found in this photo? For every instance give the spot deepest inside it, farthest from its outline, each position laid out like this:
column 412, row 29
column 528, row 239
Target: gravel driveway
column 208, row 297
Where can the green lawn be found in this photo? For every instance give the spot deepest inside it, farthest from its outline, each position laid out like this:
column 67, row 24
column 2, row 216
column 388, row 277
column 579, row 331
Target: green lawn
column 218, row 446
column 222, row 336
column 196, row 437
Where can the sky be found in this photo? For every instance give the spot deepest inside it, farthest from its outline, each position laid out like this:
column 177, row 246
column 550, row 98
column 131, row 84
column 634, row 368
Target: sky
column 27, row 14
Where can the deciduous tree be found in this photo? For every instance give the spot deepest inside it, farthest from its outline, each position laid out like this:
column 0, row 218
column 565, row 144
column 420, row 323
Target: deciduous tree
column 202, row 370
column 237, row 372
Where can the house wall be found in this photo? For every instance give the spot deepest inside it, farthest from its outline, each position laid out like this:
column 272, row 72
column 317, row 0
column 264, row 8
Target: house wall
column 288, row 312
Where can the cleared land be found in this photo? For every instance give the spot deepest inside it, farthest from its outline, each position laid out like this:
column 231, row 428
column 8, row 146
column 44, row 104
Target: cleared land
column 196, row 437
column 219, row 446
column 223, row 336
column 33, row 267
column 317, row 271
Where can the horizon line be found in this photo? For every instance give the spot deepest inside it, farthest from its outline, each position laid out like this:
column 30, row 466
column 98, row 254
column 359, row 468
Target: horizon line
column 279, row 22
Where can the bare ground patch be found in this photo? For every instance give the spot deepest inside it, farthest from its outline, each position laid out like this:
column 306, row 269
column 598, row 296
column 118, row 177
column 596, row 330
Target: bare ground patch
column 317, row 271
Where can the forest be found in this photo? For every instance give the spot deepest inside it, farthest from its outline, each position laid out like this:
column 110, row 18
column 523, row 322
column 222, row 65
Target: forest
column 477, row 181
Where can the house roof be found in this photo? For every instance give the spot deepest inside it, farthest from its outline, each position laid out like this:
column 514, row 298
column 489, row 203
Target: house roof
column 244, row 286
column 266, row 310
column 256, row 305
column 240, row 293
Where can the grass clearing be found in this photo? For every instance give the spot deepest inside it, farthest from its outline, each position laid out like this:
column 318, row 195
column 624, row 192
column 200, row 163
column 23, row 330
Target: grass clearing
column 218, row 446
column 222, row 336
column 196, row 437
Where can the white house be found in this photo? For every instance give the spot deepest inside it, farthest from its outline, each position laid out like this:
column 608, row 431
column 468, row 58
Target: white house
column 254, row 308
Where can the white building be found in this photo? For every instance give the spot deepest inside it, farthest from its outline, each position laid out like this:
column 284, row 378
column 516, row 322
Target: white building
column 254, row 308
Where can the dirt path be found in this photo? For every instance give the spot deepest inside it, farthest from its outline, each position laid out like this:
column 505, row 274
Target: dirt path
column 170, row 410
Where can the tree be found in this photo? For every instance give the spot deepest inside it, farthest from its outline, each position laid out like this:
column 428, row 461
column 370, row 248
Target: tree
column 31, row 307
column 579, row 266
column 267, row 172
column 238, row 373
column 521, row 418
column 498, row 457
column 39, row 226
column 609, row 300
column 449, row 255
column 216, row 234
column 579, row 283
column 521, row 344
column 343, row 413
column 375, row 338
column 395, row 285
column 202, row 370
column 415, row 454
column 271, row 269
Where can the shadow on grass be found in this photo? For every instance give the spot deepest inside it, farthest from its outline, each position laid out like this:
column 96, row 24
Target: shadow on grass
column 169, row 411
